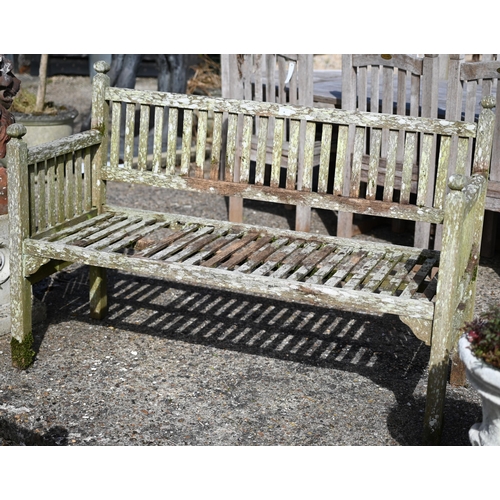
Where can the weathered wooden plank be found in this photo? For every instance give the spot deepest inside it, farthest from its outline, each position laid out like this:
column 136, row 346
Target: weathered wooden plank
column 293, row 260
column 312, row 261
column 158, row 139
column 231, row 147
column 293, row 155
column 227, row 236
column 227, row 251
column 66, row 145
column 142, row 156
column 279, row 128
column 245, row 252
column 201, row 142
column 260, row 166
column 425, row 170
column 276, row 258
column 375, row 145
column 308, row 156
column 340, row 164
column 266, row 193
column 246, row 146
column 345, row 267
column 128, row 152
column 173, row 119
column 382, row 270
column 187, row 137
column 324, row 160
column 362, row 270
column 325, row 115
column 390, row 170
column 261, row 255
column 198, row 245
column 357, row 161
column 408, row 161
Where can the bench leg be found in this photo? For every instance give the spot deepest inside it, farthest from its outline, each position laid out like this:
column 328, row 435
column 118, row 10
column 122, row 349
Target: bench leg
column 98, row 292
column 436, row 385
column 344, row 224
column 21, row 324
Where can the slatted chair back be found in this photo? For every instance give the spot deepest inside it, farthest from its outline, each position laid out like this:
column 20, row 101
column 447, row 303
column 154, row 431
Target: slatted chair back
column 326, row 190
column 399, row 84
column 468, row 83
column 280, row 78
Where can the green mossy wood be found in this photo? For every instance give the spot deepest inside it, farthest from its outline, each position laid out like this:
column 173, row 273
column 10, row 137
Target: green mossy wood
column 59, row 215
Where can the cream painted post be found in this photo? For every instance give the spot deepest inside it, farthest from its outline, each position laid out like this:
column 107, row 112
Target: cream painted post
column 19, row 222
column 100, row 118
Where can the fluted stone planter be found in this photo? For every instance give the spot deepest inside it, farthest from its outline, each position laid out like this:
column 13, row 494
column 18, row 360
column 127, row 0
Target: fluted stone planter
column 45, row 128
column 486, row 380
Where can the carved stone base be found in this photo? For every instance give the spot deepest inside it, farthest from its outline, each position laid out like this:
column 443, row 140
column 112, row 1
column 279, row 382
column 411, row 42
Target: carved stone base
column 486, row 380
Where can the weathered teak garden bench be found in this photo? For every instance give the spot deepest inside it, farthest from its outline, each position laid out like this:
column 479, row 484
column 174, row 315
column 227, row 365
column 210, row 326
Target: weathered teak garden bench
column 58, row 211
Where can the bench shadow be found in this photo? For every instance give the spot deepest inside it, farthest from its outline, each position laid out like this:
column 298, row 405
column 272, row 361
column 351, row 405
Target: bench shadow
column 380, row 348
column 16, row 435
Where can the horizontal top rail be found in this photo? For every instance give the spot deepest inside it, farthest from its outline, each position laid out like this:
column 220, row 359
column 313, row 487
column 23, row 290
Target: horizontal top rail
column 323, row 115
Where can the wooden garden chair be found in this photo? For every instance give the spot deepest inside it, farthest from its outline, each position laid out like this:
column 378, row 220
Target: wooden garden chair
column 281, row 78
column 396, row 84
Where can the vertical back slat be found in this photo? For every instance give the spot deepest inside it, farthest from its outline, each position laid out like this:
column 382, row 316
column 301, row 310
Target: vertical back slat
column 390, row 168
column 232, row 124
column 70, row 186
column 324, row 159
column 375, row 144
column 173, row 118
column 87, row 169
column 340, row 163
column 216, row 145
column 201, row 141
column 157, row 139
column 78, row 159
column 51, row 192
column 260, row 166
column 61, row 211
column 279, row 128
column 406, row 177
column 442, row 172
column 42, row 207
column 114, row 155
column 128, row 154
column 246, row 145
column 359, row 142
column 308, row 156
column 142, row 157
column 187, row 137
column 293, row 154
column 425, row 169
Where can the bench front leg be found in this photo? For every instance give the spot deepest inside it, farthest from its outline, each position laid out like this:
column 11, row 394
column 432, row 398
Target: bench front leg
column 98, row 292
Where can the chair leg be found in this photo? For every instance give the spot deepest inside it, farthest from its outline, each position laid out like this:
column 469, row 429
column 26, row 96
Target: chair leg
column 21, row 321
column 303, row 218
column 235, row 210
column 98, row 292
column 344, row 224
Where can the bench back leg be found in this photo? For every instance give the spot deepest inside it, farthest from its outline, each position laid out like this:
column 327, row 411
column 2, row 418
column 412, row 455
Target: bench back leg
column 98, row 292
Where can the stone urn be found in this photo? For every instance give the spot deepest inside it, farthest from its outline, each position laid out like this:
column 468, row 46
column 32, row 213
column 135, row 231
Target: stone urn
column 42, row 128
column 486, row 380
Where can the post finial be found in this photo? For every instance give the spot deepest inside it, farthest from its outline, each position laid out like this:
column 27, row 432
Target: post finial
column 457, row 182
column 488, row 102
column 102, row 67
column 16, row 130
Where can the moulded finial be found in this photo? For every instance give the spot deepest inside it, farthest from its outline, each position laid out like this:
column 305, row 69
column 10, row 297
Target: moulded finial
column 457, row 182
column 16, row 130
column 102, row 67
column 488, row 101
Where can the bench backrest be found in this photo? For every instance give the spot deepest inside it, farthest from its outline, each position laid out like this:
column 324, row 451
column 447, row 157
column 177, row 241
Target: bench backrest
column 325, row 187
column 79, row 165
